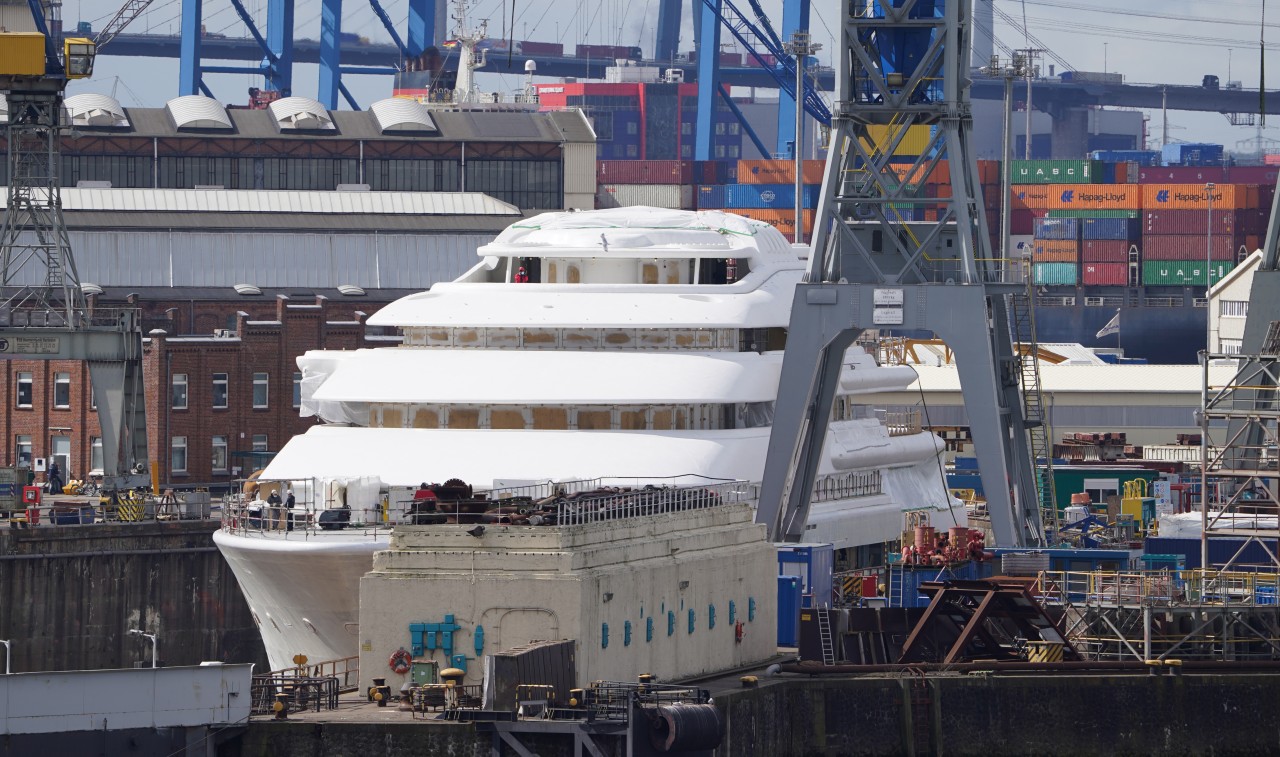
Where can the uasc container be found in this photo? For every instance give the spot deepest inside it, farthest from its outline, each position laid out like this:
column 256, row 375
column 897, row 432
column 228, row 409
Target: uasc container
column 1055, row 171
column 1183, row 273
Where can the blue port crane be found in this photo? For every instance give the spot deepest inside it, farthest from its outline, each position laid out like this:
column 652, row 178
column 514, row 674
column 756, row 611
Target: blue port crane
column 756, row 35
column 277, row 45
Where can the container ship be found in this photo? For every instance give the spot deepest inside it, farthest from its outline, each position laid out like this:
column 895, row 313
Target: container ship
column 1099, row 238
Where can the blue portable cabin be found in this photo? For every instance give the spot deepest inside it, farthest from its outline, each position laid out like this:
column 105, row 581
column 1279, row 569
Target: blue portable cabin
column 814, row 564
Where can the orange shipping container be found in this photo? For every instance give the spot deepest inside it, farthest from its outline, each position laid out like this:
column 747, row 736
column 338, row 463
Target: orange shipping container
column 1193, row 197
column 779, row 171
column 988, row 173
column 782, row 220
column 1055, row 251
column 1077, row 196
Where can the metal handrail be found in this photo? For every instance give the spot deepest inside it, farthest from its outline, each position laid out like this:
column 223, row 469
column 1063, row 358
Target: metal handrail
column 1159, row 587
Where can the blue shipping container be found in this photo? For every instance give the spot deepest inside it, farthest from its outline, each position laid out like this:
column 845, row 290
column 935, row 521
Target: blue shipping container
column 1054, row 274
column 814, row 564
column 1110, row 228
column 1192, row 154
column 775, row 196
column 1221, row 549
column 1141, row 157
column 1057, row 228
column 709, row 197
column 788, row 611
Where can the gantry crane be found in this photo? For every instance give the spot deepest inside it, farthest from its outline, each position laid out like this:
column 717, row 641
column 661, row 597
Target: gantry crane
column 43, row 314
column 902, row 63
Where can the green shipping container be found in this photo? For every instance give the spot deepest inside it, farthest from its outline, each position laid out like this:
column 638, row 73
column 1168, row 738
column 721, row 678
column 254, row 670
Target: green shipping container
column 1056, row 172
column 1054, row 274
column 1095, row 214
column 1182, row 272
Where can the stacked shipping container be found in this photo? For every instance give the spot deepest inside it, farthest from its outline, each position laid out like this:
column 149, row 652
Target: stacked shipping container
column 657, row 183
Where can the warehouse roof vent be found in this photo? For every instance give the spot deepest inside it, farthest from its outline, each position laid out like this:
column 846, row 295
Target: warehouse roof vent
column 197, row 112
column 91, row 109
column 300, row 114
column 399, row 114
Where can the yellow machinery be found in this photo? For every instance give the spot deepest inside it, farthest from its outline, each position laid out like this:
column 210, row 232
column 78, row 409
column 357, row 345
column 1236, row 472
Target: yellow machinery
column 1137, row 504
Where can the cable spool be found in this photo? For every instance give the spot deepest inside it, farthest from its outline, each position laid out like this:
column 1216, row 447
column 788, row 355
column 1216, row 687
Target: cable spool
column 686, row 727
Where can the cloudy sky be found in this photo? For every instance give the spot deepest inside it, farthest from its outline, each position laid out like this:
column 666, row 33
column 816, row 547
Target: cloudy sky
column 1149, row 41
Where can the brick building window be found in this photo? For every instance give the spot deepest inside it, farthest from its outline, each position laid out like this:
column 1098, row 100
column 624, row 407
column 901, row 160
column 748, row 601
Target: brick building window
column 62, row 390
column 26, row 388
column 95, row 454
column 178, row 454
column 259, row 442
column 219, row 390
column 297, row 389
column 260, row 382
column 179, row 391
column 220, row 454
column 22, row 449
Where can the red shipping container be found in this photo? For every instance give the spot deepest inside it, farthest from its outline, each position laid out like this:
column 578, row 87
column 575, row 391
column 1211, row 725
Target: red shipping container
column 1104, row 274
column 1104, row 251
column 1189, row 221
column 1191, row 247
column 1252, row 174
column 644, row 172
column 1181, row 175
column 1023, row 221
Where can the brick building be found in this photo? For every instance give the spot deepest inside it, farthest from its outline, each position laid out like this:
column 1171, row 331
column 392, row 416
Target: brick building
column 220, row 378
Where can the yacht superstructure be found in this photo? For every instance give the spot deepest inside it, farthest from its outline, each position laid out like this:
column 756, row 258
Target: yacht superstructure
column 634, row 346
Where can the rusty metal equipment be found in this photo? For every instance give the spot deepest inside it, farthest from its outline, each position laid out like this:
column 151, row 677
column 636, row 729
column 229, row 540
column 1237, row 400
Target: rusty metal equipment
column 995, row 619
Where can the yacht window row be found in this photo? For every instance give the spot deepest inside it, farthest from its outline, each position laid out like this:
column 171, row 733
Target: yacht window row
column 693, row 417
column 623, row 270
column 466, row 337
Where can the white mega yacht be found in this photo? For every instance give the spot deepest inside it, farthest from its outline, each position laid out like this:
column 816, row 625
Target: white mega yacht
column 630, row 346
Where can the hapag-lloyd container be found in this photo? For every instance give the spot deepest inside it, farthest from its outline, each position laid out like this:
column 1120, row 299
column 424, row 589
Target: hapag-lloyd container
column 1195, row 197
column 1104, row 274
column 1057, row 228
column 779, row 171
column 782, row 220
column 1182, row 273
column 1105, row 250
column 1193, row 247
column 1054, row 274
column 1055, row 251
column 1077, row 196
column 1094, row 213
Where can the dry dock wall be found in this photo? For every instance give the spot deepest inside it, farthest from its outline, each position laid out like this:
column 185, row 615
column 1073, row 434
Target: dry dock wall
column 69, row 595
column 1047, row 715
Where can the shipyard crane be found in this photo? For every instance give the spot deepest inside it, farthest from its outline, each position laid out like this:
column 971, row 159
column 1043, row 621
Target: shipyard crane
column 904, row 63
column 43, row 314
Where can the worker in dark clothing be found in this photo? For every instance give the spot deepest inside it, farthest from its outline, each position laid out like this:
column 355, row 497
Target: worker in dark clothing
column 55, row 478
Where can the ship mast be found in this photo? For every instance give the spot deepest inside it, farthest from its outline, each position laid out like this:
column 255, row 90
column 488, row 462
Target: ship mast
column 468, row 61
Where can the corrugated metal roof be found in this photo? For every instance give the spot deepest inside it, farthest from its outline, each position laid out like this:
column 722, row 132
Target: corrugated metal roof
column 197, row 112
column 398, row 114
column 282, row 201
column 91, row 109
column 450, row 126
column 293, row 113
column 278, row 222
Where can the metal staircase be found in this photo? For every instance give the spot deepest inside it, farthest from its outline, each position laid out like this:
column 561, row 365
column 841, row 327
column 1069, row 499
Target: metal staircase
column 1039, row 433
column 824, row 633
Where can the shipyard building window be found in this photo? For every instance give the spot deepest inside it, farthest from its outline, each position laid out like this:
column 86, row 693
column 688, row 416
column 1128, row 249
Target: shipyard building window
column 178, row 454
column 219, row 390
column 260, row 383
column 720, row 128
column 26, row 387
column 22, row 450
column 391, row 175
column 1233, row 308
column 686, row 128
column 219, row 447
column 686, row 151
column 179, row 391
column 123, row 171
column 633, row 151
column 259, row 442
column 633, row 127
column 297, row 388
column 62, row 390
column 95, row 455
column 523, row 183
column 61, row 446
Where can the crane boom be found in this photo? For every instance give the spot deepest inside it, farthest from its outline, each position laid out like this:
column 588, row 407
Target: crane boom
column 123, row 17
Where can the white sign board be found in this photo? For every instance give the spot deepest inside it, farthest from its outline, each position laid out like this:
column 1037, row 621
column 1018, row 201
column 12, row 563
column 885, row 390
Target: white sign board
column 887, row 317
column 888, row 297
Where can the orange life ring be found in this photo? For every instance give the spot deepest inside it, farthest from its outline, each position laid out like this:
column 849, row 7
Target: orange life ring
column 400, row 661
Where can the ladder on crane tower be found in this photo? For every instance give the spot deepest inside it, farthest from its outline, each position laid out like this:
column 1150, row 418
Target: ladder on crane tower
column 1022, row 322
